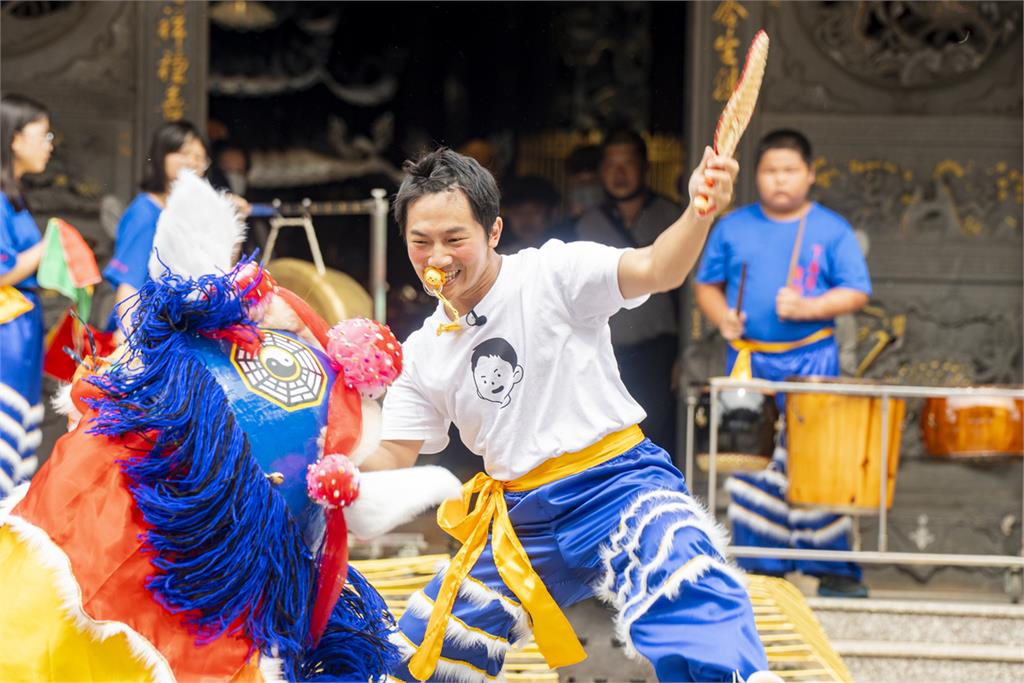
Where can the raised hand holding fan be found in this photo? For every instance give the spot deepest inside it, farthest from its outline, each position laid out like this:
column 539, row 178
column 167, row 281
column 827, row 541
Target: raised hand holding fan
column 739, row 109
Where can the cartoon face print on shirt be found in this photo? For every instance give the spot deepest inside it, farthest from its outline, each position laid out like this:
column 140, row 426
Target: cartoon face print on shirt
column 496, row 370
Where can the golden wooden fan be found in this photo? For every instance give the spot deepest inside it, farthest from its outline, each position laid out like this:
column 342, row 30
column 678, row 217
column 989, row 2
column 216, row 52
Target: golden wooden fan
column 739, row 108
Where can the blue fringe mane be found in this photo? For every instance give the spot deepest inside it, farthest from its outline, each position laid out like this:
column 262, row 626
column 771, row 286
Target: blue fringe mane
column 355, row 645
column 228, row 553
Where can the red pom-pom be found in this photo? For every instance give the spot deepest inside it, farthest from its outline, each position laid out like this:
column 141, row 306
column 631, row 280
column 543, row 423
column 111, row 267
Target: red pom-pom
column 333, row 481
column 367, row 353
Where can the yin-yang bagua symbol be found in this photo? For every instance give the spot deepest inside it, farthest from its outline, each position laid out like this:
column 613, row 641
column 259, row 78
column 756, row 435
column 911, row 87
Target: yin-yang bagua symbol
column 285, row 372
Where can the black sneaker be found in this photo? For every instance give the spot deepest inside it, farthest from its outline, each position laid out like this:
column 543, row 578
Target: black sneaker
column 841, row 586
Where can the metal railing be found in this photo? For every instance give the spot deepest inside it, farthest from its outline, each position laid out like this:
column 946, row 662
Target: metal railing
column 885, row 392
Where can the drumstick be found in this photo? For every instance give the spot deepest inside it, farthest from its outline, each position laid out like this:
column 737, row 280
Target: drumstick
column 739, row 291
column 795, row 256
column 738, row 109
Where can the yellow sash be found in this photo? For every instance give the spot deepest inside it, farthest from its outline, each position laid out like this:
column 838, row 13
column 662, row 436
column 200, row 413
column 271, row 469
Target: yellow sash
column 553, row 632
column 741, row 368
column 13, row 303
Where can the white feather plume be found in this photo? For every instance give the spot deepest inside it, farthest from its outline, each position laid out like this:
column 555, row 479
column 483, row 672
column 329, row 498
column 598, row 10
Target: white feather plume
column 198, row 231
column 61, row 400
column 63, row 405
column 388, row 498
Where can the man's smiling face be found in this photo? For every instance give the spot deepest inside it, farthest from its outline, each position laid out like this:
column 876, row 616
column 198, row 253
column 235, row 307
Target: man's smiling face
column 442, row 232
column 495, row 378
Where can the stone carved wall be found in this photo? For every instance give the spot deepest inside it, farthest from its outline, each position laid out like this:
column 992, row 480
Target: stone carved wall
column 910, row 44
column 97, row 67
column 78, row 59
column 931, row 58
column 93, row 66
column 915, row 113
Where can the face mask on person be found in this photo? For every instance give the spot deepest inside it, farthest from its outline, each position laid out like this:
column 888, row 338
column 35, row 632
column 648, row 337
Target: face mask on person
column 585, row 197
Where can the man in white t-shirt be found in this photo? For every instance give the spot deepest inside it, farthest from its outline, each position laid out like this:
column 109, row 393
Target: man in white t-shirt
column 573, row 501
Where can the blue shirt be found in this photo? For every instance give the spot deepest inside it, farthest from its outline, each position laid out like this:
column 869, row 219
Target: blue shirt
column 18, row 232
column 135, row 232
column 829, row 257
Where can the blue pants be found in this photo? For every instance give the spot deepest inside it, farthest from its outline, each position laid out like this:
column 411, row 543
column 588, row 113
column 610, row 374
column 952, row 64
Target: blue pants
column 629, row 532
column 758, row 510
column 21, row 383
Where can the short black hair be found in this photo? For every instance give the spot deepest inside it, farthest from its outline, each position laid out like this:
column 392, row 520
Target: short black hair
column 529, row 188
column 446, row 171
column 496, row 346
column 785, row 138
column 167, row 139
column 16, row 112
column 625, row 136
column 583, row 159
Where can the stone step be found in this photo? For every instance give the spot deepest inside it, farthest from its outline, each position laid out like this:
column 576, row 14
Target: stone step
column 940, row 651
column 921, row 622
column 896, row 662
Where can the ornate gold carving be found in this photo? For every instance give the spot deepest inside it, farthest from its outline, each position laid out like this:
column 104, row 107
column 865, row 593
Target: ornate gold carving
column 935, row 372
column 957, row 197
column 172, row 68
column 728, row 14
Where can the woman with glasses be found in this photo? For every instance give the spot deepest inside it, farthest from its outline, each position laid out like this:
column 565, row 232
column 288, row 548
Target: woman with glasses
column 175, row 146
column 26, row 147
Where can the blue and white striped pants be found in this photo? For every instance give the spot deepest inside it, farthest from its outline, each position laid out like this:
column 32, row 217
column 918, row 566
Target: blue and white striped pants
column 629, row 532
column 21, row 409
column 758, row 510
column 761, row 517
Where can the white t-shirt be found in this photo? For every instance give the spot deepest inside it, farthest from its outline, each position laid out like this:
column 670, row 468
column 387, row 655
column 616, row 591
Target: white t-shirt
column 534, row 378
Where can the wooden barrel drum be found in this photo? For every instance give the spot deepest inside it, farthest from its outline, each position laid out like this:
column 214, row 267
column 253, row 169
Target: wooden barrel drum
column 835, row 449
column 973, row 428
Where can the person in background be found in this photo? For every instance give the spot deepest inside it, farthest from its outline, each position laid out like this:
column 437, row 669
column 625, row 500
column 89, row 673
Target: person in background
column 175, row 146
column 27, row 145
column 645, row 338
column 529, row 205
column 229, row 173
column 787, row 326
column 230, row 168
column 582, row 181
column 487, row 155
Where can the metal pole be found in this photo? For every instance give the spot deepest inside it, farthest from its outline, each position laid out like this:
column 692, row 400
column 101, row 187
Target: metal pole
column 275, row 228
column 314, row 245
column 713, row 452
column 874, row 557
column 873, row 390
column 691, row 406
column 379, row 253
column 883, row 520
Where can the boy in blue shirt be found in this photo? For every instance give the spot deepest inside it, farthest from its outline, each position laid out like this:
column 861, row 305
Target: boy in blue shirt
column 829, row 278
